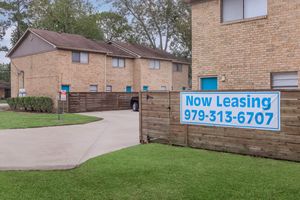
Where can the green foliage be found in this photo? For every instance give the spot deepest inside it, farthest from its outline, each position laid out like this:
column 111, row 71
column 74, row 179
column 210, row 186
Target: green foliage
column 163, row 24
column 17, row 120
column 5, row 72
column 114, row 26
column 66, row 16
column 15, row 13
column 31, row 104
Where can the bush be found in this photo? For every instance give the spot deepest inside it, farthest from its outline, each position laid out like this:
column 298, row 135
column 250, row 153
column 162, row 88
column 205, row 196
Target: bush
column 31, row 104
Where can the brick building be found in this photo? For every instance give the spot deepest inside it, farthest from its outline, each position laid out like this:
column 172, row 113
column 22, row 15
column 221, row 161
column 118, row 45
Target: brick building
column 245, row 44
column 43, row 62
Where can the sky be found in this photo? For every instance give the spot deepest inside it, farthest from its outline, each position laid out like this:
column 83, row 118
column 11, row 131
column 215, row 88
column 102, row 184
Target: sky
column 6, row 40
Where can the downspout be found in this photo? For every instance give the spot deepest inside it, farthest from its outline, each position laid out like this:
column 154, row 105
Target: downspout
column 105, row 78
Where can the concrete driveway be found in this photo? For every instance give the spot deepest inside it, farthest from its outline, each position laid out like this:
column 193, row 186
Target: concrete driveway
column 66, row 147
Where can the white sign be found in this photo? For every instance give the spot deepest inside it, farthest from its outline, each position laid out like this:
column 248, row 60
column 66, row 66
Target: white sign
column 251, row 110
column 22, row 92
column 63, row 95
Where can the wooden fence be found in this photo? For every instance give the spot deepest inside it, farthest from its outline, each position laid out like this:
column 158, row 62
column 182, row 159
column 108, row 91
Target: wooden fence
column 160, row 122
column 100, row 101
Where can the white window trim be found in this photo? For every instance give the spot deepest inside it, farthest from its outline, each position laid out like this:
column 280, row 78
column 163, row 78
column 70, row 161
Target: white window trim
column 243, row 19
column 118, row 60
column 80, row 54
column 156, row 64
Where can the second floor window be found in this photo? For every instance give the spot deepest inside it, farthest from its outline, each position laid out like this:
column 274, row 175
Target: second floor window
column 80, row 57
column 177, row 67
column 243, row 9
column 118, row 62
column 154, row 64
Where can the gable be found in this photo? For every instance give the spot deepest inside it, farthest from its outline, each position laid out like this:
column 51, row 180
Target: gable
column 30, row 45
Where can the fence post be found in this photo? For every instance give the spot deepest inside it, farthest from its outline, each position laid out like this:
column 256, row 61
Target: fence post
column 140, row 117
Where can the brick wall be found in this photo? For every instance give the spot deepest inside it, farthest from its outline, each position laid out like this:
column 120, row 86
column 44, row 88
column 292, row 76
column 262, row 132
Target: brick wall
column 46, row 72
column 180, row 79
column 119, row 78
column 41, row 74
column 246, row 53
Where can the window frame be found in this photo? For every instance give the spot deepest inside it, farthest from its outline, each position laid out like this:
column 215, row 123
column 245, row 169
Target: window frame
column 118, row 61
column 296, row 87
column 243, row 19
column 93, row 85
column 108, row 86
column 155, row 61
column 175, row 67
column 80, row 61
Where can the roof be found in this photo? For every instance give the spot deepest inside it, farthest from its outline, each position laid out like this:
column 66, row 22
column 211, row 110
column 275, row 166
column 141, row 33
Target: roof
column 69, row 41
column 147, row 52
column 77, row 42
column 4, row 85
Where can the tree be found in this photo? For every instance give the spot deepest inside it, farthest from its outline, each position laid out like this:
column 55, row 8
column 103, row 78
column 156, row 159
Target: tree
column 16, row 15
column 163, row 24
column 5, row 72
column 67, row 16
column 4, row 22
column 114, row 26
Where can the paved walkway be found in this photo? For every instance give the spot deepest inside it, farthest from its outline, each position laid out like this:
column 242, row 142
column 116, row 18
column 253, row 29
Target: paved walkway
column 66, row 147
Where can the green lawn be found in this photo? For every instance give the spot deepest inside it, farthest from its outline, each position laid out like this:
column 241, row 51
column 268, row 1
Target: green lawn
column 12, row 120
column 3, row 101
column 160, row 172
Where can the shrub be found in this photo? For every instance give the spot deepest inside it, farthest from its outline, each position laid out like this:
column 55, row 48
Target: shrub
column 32, row 104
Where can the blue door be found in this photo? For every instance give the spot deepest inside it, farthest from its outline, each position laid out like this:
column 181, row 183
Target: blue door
column 145, row 88
column 65, row 87
column 210, row 83
column 128, row 89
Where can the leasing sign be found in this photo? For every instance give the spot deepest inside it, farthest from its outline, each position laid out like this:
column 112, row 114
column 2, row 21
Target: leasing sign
column 251, row 110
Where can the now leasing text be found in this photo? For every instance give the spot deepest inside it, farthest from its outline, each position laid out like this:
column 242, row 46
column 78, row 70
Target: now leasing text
column 255, row 110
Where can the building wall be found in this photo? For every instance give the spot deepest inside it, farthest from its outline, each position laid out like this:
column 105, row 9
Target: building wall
column 245, row 53
column 45, row 73
column 41, row 75
column 81, row 76
column 180, row 79
column 155, row 79
column 119, row 78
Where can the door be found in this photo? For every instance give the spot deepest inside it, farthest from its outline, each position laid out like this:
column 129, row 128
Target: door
column 128, row 89
column 66, row 88
column 209, row 83
column 145, row 88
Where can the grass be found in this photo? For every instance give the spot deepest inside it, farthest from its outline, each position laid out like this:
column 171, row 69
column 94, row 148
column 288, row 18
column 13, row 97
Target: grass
column 160, row 172
column 3, row 101
column 17, row 120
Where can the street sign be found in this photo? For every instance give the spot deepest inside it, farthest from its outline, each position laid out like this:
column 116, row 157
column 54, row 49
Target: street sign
column 63, row 95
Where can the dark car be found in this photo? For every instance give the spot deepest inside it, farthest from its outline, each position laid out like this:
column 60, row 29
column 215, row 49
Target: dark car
column 134, row 103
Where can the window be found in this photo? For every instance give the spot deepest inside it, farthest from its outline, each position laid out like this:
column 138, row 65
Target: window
column 163, row 88
column 177, row 67
column 242, row 9
column 118, row 62
column 108, row 88
column 145, row 88
column 183, row 88
column 285, row 80
column 154, row 64
column 93, row 88
column 80, row 57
